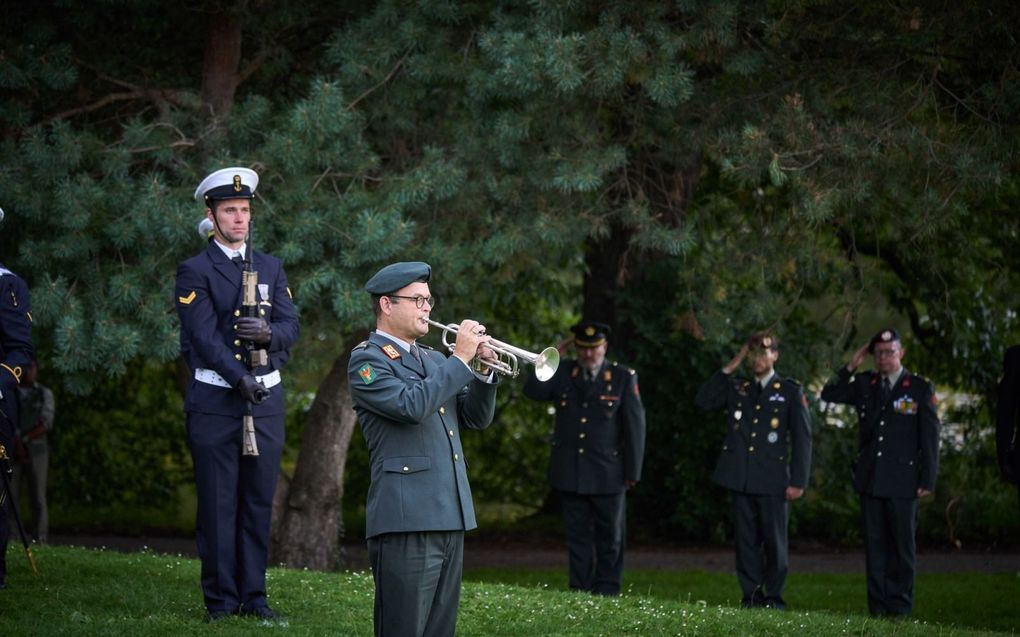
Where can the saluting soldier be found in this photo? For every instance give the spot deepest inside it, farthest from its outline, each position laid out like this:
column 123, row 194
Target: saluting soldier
column 598, row 447
column 412, row 403
column 235, row 491
column 16, row 354
column 764, row 463
column 897, row 462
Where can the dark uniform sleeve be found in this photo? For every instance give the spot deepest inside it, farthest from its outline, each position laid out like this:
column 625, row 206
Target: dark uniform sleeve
column 928, row 435
column 800, row 434
column 285, row 323
column 537, row 390
column 633, row 422
column 16, row 326
column 1006, row 421
column 839, row 389
column 476, row 404
column 198, row 322
column 376, row 388
column 713, row 394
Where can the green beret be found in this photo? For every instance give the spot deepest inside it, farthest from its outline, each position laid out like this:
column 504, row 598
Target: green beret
column 397, row 275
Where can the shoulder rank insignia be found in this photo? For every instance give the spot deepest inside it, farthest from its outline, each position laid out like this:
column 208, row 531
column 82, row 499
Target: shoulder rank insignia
column 367, row 373
column 186, row 300
column 391, row 351
column 361, row 345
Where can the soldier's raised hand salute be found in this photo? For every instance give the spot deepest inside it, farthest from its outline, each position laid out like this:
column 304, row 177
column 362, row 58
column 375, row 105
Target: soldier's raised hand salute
column 858, row 358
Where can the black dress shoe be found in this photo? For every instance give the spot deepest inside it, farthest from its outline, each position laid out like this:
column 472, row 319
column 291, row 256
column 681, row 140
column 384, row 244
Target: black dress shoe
column 775, row 603
column 262, row 612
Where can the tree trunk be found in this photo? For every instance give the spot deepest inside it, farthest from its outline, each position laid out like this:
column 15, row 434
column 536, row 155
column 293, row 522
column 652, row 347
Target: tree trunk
column 221, row 62
column 608, row 267
column 307, row 516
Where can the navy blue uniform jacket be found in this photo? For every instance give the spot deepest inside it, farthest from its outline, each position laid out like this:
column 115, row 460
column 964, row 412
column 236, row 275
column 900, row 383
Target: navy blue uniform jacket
column 898, row 440
column 411, row 422
column 15, row 340
column 768, row 434
column 208, row 296
column 599, row 441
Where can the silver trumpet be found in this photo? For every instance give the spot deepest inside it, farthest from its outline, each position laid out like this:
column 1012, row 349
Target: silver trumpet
column 545, row 363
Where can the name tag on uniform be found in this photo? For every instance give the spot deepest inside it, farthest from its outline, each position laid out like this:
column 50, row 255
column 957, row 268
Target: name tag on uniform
column 905, row 405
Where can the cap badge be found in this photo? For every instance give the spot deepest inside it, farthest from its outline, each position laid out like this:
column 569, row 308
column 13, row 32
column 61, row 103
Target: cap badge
column 589, row 331
column 237, row 183
column 766, row 342
column 887, row 335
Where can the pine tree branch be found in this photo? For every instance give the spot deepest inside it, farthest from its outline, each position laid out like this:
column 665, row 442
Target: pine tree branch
column 386, row 79
column 100, row 103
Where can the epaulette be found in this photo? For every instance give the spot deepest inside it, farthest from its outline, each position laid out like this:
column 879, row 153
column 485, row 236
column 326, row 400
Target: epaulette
column 624, row 368
column 361, row 345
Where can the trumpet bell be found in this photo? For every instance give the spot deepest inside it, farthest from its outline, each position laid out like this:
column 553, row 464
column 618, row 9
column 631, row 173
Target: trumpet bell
column 546, row 363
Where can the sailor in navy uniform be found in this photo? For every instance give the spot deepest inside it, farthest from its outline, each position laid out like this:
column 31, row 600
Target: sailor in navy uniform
column 598, row 447
column 897, row 462
column 412, row 403
column 16, row 354
column 235, row 491
column 764, row 463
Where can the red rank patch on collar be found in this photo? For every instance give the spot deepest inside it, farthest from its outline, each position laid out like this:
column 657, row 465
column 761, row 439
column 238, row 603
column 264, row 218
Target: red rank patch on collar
column 391, row 351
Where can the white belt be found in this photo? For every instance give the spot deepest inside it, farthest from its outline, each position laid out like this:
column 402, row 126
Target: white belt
column 210, row 377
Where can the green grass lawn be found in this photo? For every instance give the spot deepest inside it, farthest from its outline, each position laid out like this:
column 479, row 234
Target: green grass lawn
column 85, row 592
column 971, row 600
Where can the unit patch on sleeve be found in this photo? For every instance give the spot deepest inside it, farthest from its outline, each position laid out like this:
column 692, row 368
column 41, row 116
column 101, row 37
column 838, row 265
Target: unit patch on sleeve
column 367, row 373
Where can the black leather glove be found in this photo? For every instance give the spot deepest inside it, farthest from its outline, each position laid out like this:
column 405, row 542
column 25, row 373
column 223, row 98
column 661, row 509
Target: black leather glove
column 253, row 391
column 254, row 329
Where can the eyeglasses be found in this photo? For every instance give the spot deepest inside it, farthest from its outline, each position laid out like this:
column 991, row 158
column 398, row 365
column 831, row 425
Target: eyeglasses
column 419, row 301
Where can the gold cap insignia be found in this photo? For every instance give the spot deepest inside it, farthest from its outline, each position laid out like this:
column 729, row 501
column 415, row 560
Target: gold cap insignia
column 589, row 331
column 237, row 183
